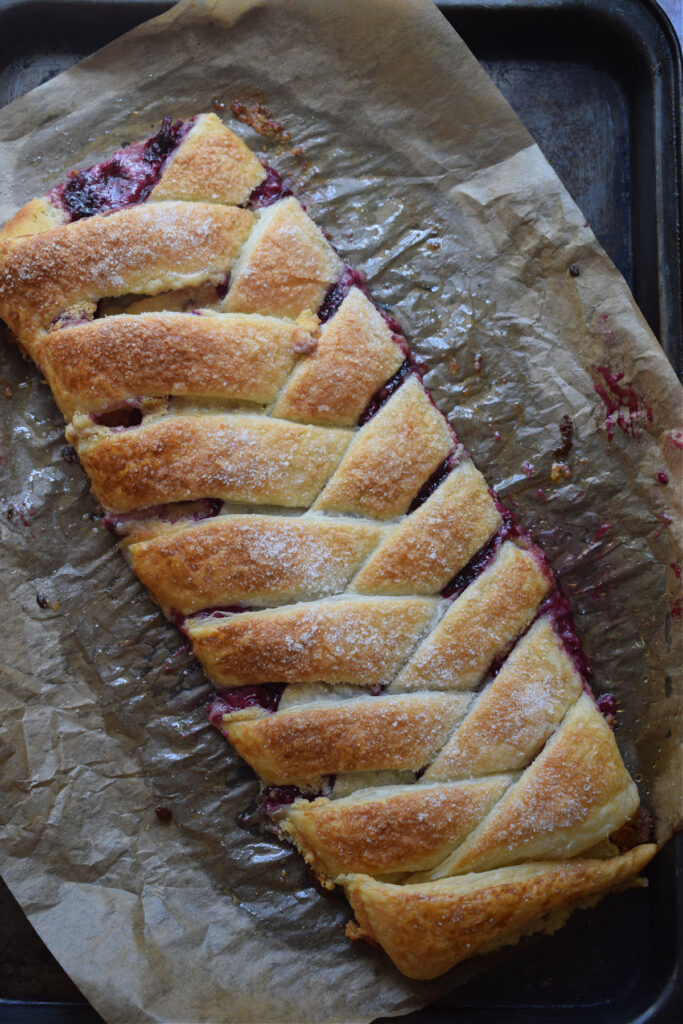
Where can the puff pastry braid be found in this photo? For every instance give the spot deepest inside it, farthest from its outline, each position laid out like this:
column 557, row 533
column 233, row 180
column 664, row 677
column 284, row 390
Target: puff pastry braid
column 392, row 652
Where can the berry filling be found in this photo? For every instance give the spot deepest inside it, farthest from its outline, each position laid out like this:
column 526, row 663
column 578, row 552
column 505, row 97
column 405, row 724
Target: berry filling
column 264, row 695
column 259, row 815
column 222, row 287
column 432, row 483
column 274, row 798
column 218, row 612
column 386, row 391
column 337, row 292
column 271, row 189
column 118, row 419
column 508, row 530
column 194, row 511
column 69, row 320
column 222, row 611
column 557, row 606
column 394, row 326
column 127, row 177
column 607, row 704
column 624, row 406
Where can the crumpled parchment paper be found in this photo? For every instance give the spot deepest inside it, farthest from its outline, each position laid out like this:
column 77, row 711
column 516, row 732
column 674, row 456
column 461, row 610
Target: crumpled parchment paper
column 428, row 182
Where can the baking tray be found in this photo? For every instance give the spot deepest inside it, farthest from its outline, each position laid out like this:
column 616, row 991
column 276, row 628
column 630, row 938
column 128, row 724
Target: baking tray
column 598, row 84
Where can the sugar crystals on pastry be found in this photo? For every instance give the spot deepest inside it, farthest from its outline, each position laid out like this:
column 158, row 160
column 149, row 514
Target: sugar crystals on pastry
column 384, row 638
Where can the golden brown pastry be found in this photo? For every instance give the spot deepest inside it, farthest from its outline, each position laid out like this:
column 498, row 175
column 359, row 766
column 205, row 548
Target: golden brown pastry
column 301, row 745
column 211, row 165
column 149, row 248
column 576, row 793
column 228, row 456
column 356, row 353
column 254, row 558
column 427, row 929
column 106, row 363
column 285, row 267
column 396, row 829
column 480, row 624
column 393, row 655
column 391, row 457
column 430, row 546
column 516, row 714
column 358, row 640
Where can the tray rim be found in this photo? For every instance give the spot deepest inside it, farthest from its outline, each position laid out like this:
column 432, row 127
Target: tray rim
column 669, row 1002
column 655, row 34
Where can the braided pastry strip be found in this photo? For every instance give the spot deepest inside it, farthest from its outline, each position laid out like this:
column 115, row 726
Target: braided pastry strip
column 393, row 647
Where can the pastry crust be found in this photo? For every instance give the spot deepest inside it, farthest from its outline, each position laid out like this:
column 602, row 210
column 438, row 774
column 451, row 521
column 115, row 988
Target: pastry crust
column 382, row 831
column 210, row 165
column 300, row 746
column 301, row 519
column 37, row 215
column 574, row 794
column 148, row 248
column 361, row 641
column 480, row 625
column 286, row 266
column 391, row 457
column 427, row 929
column 355, row 355
column 433, row 543
column 517, row 713
column 246, row 458
column 98, row 365
column 253, row 559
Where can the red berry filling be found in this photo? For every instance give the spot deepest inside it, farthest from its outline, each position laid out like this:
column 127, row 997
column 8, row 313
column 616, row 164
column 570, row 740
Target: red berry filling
column 337, row 292
column 557, row 606
column 271, row 189
column 385, row 392
column 508, row 530
column 264, row 695
column 127, row 177
column 433, row 482
column 206, row 508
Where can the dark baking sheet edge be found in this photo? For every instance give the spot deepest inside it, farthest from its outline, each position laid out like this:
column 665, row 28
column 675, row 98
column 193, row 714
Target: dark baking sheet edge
column 647, row 21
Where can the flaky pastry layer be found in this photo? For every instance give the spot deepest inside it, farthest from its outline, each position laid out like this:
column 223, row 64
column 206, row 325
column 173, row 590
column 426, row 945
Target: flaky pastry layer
column 284, row 486
column 391, row 458
column 149, row 248
column 108, row 362
column 211, row 165
column 480, row 624
column 431, row 545
column 254, row 559
column 286, row 266
column 246, row 458
column 426, row 929
column 383, row 831
column 300, row 746
column 356, row 353
column 517, row 713
column 576, row 793
column 356, row 640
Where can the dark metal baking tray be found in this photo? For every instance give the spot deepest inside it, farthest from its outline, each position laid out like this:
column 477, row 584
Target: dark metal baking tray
column 598, row 83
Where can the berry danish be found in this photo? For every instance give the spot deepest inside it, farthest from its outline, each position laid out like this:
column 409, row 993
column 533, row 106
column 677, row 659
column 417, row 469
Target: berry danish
column 391, row 652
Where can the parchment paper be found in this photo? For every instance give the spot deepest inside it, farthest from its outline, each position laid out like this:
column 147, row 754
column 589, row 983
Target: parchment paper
column 428, row 182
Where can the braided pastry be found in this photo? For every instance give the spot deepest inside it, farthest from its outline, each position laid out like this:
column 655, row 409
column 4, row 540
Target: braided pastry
column 392, row 653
